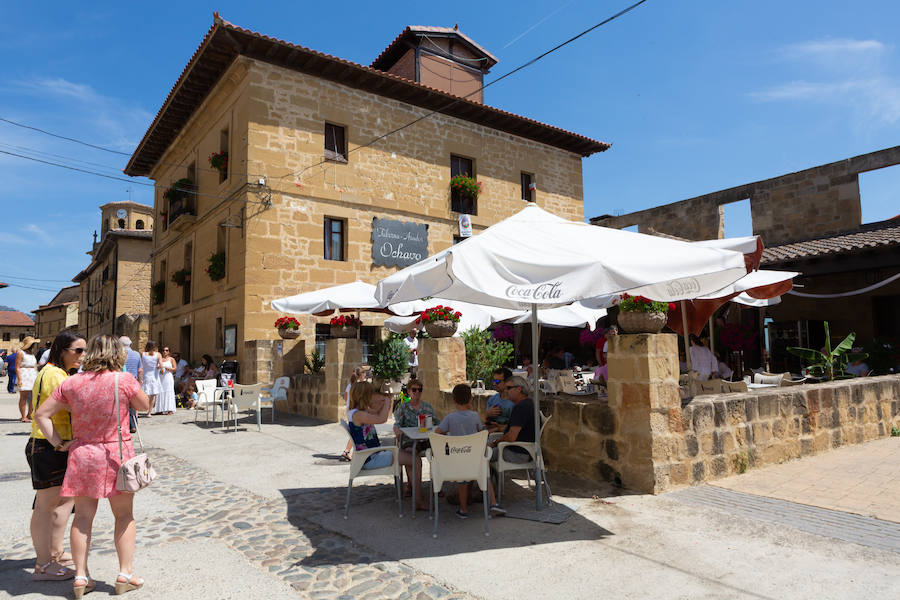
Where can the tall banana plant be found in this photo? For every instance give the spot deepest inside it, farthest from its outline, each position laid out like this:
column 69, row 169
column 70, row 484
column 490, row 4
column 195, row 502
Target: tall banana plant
column 831, row 362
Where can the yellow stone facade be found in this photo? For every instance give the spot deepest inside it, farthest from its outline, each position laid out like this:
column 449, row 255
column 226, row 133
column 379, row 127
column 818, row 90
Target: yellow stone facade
column 50, row 320
column 114, row 295
column 273, row 232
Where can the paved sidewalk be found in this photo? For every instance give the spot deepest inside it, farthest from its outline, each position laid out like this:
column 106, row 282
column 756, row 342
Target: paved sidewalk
column 258, row 515
column 863, row 480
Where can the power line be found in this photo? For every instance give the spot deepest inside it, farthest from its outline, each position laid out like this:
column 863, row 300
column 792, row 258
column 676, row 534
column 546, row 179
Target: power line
column 62, row 137
column 482, row 88
column 35, row 279
column 28, row 287
column 113, row 177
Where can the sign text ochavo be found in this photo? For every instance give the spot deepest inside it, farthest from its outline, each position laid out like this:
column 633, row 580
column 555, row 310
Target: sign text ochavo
column 398, row 243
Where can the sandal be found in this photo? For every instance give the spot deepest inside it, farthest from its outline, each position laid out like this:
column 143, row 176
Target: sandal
column 51, row 571
column 81, row 590
column 126, row 586
column 345, row 456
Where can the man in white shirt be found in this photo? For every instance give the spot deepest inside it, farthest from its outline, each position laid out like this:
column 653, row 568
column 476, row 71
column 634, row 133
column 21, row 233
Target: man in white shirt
column 412, row 344
column 181, row 371
column 702, row 360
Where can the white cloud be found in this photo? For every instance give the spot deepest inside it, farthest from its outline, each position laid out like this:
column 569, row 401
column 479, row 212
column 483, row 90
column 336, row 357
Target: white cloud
column 40, row 233
column 852, row 75
column 120, row 123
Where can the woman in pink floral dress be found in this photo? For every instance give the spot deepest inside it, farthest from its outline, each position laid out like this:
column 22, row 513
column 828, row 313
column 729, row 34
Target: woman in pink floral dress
column 94, row 452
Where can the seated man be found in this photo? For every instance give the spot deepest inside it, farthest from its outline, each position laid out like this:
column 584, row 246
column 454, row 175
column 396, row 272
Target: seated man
column 521, row 421
column 498, row 407
column 465, row 421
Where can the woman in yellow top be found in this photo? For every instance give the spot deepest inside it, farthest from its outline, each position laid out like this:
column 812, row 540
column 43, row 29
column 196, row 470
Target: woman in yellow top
column 48, row 464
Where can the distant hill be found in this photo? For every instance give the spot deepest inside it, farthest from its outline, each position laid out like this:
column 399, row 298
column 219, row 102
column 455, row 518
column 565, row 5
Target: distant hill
column 7, row 307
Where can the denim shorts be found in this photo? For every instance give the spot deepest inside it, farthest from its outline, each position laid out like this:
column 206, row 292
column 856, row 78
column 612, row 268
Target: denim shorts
column 48, row 466
column 512, row 455
column 379, row 460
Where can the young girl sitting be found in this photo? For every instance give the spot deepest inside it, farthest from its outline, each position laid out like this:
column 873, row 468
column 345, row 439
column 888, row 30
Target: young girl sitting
column 367, row 409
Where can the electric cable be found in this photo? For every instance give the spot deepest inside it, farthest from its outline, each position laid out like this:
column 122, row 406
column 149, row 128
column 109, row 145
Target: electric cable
column 35, row 279
column 482, row 88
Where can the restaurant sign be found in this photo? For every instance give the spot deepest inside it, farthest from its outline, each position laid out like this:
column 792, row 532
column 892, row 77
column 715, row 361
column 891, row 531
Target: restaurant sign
column 397, row 243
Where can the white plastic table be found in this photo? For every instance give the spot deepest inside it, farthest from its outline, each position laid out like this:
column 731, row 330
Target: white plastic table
column 416, row 436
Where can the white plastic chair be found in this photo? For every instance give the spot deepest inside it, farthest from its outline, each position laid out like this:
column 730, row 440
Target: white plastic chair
column 502, row 466
column 247, row 396
column 358, row 459
column 277, row 391
column 206, row 398
column 771, row 378
column 461, row 458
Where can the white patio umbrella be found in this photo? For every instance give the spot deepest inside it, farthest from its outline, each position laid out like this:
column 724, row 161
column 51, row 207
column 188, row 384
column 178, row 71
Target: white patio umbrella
column 536, row 259
column 348, row 296
column 473, row 315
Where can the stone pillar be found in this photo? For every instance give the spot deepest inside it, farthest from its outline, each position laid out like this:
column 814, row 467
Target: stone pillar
column 643, row 394
column 442, row 365
column 287, row 356
column 257, row 365
column 342, row 355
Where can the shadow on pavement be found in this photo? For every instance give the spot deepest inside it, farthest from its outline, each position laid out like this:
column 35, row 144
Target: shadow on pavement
column 374, row 524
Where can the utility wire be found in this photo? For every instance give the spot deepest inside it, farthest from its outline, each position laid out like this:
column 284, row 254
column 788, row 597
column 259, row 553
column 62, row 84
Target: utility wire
column 35, row 279
column 28, row 287
column 89, row 172
column 482, row 88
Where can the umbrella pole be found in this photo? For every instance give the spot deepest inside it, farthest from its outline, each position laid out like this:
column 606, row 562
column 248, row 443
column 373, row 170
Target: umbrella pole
column 687, row 351
column 538, row 462
column 358, row 329
column 712, row 337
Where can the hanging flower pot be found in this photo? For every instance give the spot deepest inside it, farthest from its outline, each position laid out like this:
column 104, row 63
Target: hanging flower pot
column 345, row 326
column 638, row 314
column 440, row 321
column 288, row 328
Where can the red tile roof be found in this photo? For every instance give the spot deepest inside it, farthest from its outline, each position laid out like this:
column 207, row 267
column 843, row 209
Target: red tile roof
column 224, row 42
column 883, row 234
column 15, row 318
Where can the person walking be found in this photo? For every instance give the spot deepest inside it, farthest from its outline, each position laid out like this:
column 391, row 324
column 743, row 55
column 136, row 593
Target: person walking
column 48, row 465
column 94, row 458
column 134, row 368
column 26, row 371
column 150, row 382
column 11, row 371
column 165, row 403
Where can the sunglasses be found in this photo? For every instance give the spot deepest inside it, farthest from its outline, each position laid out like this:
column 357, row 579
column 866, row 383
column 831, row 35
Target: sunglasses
column 415, row 389
column 76, row 350
column 509, row 387
column 497, row 380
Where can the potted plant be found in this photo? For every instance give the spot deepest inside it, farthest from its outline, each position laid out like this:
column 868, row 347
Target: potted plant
column 345, row 326
column 216, row 268
column 288, row 328
column 158, row 292
column 440, row 321
column 314, row 362
column 638, row 314
column 181, row 277
column 465, row 186
column 219, row 162
column 390, row 361
column 484, row 353
column 178, row 189
column 831, row 363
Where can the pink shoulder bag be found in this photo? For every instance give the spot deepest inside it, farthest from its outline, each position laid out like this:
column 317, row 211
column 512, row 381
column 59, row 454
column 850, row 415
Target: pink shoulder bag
column 136, row 473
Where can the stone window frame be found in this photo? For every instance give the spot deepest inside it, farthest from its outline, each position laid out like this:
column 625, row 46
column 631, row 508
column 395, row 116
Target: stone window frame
column 527, row 180
column 327, row 236
column 338, row 150
column 458, row 167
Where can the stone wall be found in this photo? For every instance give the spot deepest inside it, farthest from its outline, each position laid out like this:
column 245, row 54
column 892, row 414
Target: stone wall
column 812, row 203
column 307, row 397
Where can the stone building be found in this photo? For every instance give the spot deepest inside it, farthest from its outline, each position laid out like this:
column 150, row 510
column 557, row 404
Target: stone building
column 311, row 195
column 114, row 289
column 58, row 314
column 14, row 327
column 810, row 221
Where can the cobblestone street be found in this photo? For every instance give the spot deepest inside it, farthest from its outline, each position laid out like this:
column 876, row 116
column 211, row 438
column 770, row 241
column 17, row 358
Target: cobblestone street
column 249, row 514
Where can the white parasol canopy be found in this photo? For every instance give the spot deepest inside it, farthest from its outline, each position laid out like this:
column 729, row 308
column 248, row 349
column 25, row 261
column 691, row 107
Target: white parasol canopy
column 537, row 259
column 348, row 296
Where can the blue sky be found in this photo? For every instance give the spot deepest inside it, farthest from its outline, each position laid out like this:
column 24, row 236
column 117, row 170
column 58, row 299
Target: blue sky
column 695, row 96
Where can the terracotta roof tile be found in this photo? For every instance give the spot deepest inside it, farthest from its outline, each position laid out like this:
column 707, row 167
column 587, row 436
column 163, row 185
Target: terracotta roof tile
column 15, row 318
column 873, row 235
column 219, row 50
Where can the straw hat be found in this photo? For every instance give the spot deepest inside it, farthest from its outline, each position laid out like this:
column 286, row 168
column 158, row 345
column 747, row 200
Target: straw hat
column 28, row 342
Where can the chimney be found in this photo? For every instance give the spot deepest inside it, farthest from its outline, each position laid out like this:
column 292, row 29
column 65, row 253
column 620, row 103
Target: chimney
column 443, row 58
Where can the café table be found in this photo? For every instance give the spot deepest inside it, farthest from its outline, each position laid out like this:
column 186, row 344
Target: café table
column 226, row 394
column 416, row 436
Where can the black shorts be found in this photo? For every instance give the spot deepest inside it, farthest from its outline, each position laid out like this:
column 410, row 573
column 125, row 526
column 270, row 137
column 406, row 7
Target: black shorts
column 48, row 466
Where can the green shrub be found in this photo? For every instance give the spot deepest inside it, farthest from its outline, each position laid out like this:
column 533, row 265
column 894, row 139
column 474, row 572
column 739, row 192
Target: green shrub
column 314, row 362
column 389, row 358
column 484, row 354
